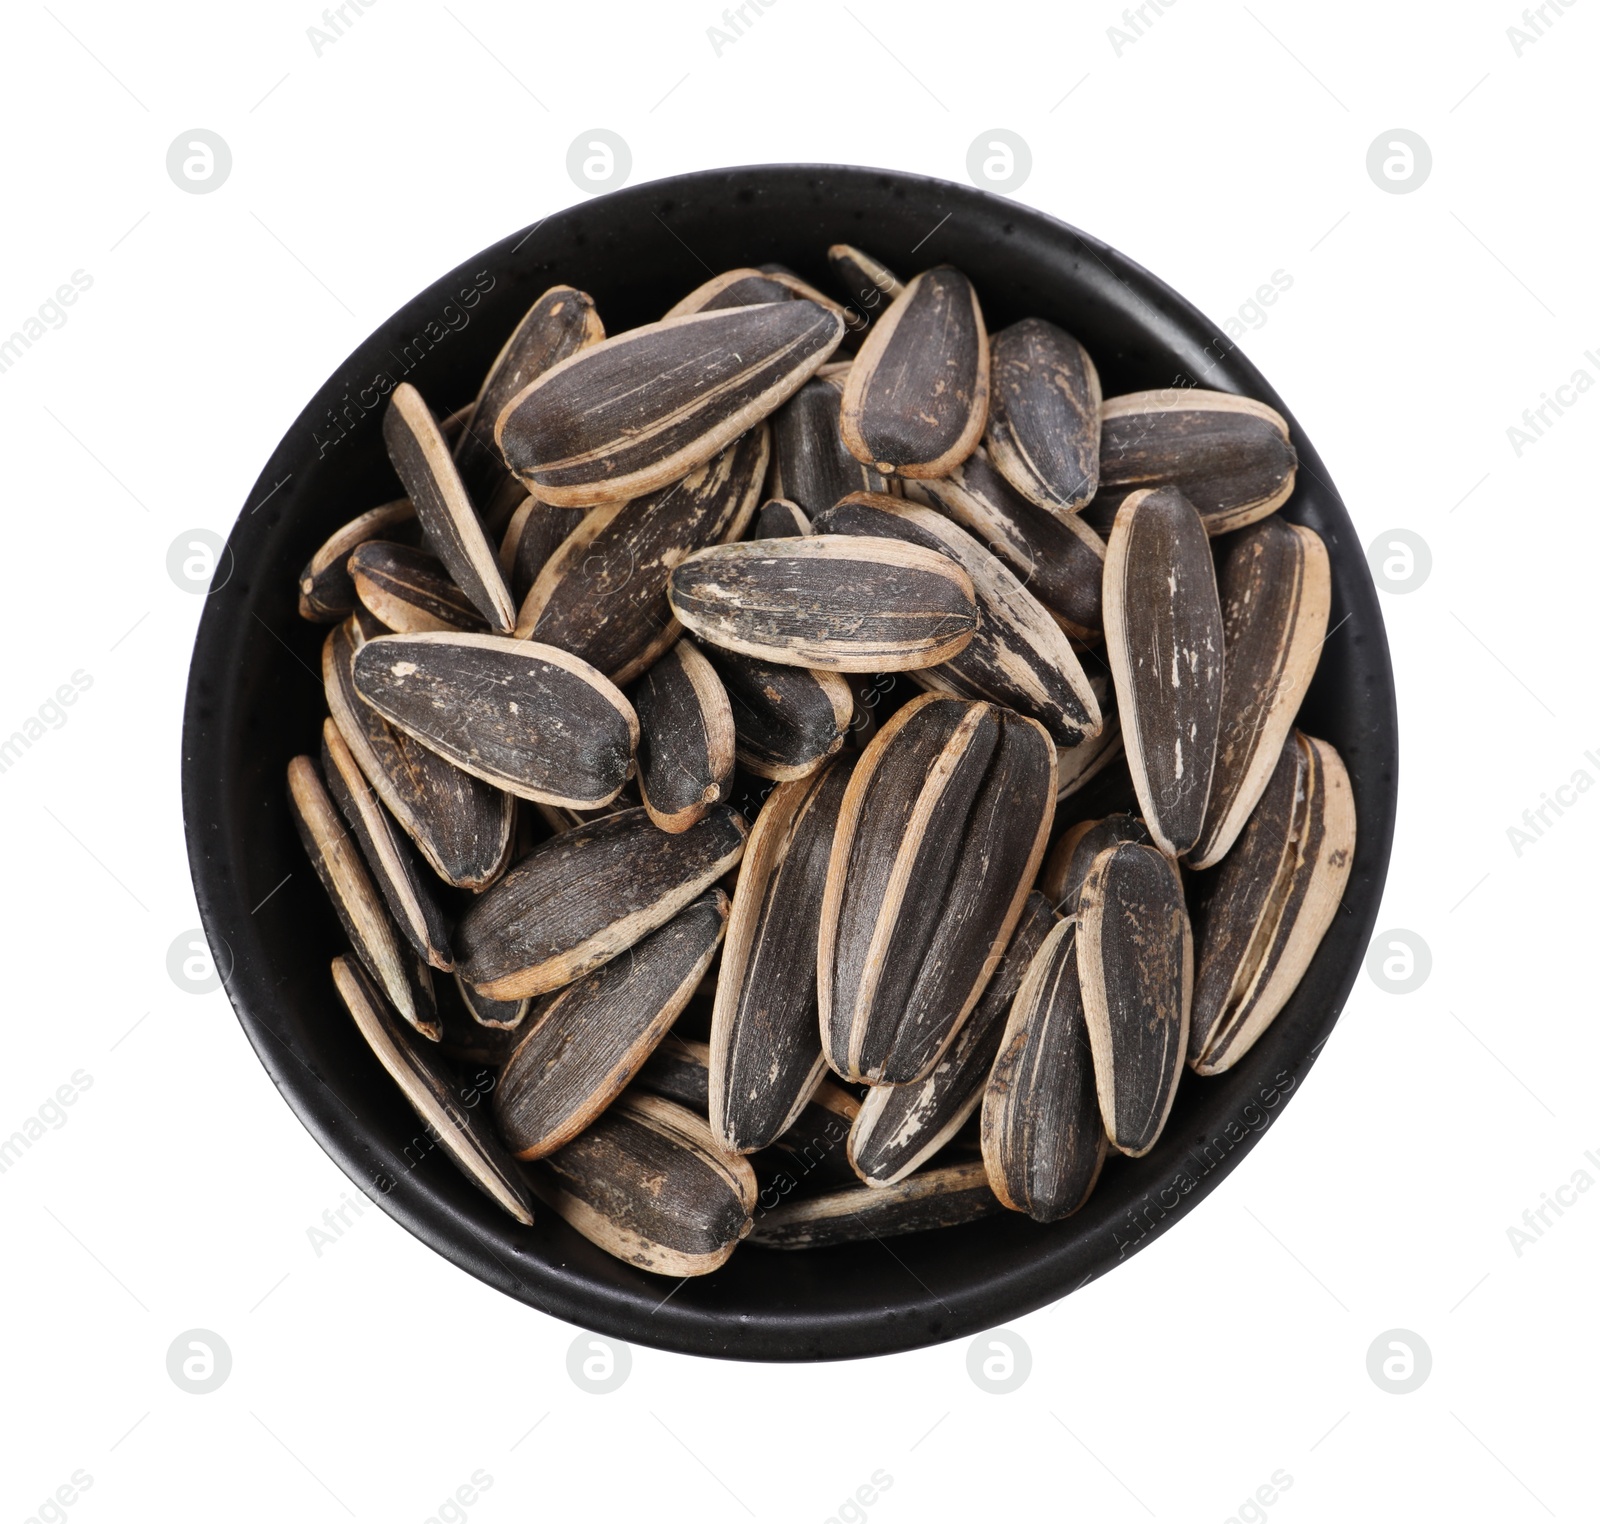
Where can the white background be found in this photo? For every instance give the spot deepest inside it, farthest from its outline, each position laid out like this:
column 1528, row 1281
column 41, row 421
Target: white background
column 1222, row 145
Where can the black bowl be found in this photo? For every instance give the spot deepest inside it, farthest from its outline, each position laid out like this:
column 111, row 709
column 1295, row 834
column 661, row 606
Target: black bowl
column 255, row 699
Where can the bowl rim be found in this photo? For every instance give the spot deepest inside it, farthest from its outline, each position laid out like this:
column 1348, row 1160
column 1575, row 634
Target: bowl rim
column 455, row 1229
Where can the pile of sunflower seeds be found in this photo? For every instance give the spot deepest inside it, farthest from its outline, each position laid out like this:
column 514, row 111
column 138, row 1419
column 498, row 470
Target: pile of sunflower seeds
column 814, row 770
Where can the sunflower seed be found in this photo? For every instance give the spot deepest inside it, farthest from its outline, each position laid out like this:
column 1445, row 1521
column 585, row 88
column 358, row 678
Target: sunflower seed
column 535, row 533
column 582, row 1044
column 500, row 1015
column 465, row 1040
column 937, row 1198
column 1059, row 560
column 1043, row 1144
column 1274, row 586
column 603, row 594
column 814, row 1151
column 940, row 835
column 327, row 592
column 810, row 464
column 1019, row 656
column 780, row 519
column 918, row 394
column 409, row 590
column 680, row 1070
column 765, row 1055
column 1136, row 968
column 449, row 521
column 648, row 1184
column 1078, row 766
column 562, row 322
column 786, row 720
column 403, row 976
column 1164, row 641
column 900, row 1127
column 868, row 285
column 840, row 602
column 461, row 825
column 1230, row 456
column 585, row 896
column 587, row 431
column 391, row 859
column 751, row 288
column 1044, row 415
column 473, row 1147
column 685, row 738
column 1073, row 855
column 1262, row 912
column 538, row 722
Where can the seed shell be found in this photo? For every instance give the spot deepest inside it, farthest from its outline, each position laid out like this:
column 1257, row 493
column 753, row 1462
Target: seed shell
column 587, row 895
column 409, row 590
column 460, row 1130
column 1275, row 590
column 939, row 838
column 917, row 397
column 327, row 592
column 686, row 738
column 393, row 862
column 1044, row 415
column 499, row 1015
column 810, row 464
column 751, row 288
column 1136, row 970
column 786, row 720
column 582, row 1044
column 449, row 522
column 679, row 1070
column 1164, row 640
column 528, row 718
column 1018, row 656
column 460, row 824
column 403, row 976
column 900, row 1127
column 603, row 594
column 936, row 1198
column 869, row 286
column 1230, row 456
column 1061, row 561
column 1074, row 853
column 1043, row 1144
column 765, row 1055
column 536, row 531
column 813, row 1154
column 845, row 603
column 648, row 1184
column 1078, row 766
column 588, row 432
column 780, row 519
column 1263, row 911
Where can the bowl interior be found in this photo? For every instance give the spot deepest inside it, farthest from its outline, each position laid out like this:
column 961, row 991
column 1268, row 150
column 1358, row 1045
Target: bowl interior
column 255, row 699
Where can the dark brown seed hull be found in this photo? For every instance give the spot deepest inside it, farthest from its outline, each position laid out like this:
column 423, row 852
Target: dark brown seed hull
column 686, row 738
column 810, row 464
column 786, row 720
column 409, row 590
column 938, row 1198
column 1044, row 415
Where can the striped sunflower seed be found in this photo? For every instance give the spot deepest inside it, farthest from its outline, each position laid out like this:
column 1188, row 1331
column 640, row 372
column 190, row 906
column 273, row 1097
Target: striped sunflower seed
column 538, row 722
column 936, row 1198
column 810, row 464
column 901, row 1127
column 686, row 739
column 813, row 1155
column 603, row 594
column 562, row 322
column 940, row 836
column 1164, row 641
column 1043, row 1144
column 917, row 397
column 766, row 1059
column 327, row 591
column 460, row 824
column 501, row 1015
column 535, row 533
column 869, row 286
column 648, row 1184
column 1018, row 656
column 1044, row 415
column 587, row 432
column 779, row 519
column 1275, row 590
column 1263, row 911
column 786, row 720
column 583, row 1043
column 1136, row 972
column 751, row 288
column 459, row 1128
column 409, row 590
column 1078, row 766
column 401, row 877
column 844, row 603
column 466, row 1041
column 1074, row 854
column 449, row 521
column 1061, row 561
column 680, row 1070
column 1230, row 456
column 337, row 861
column 583, row 897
